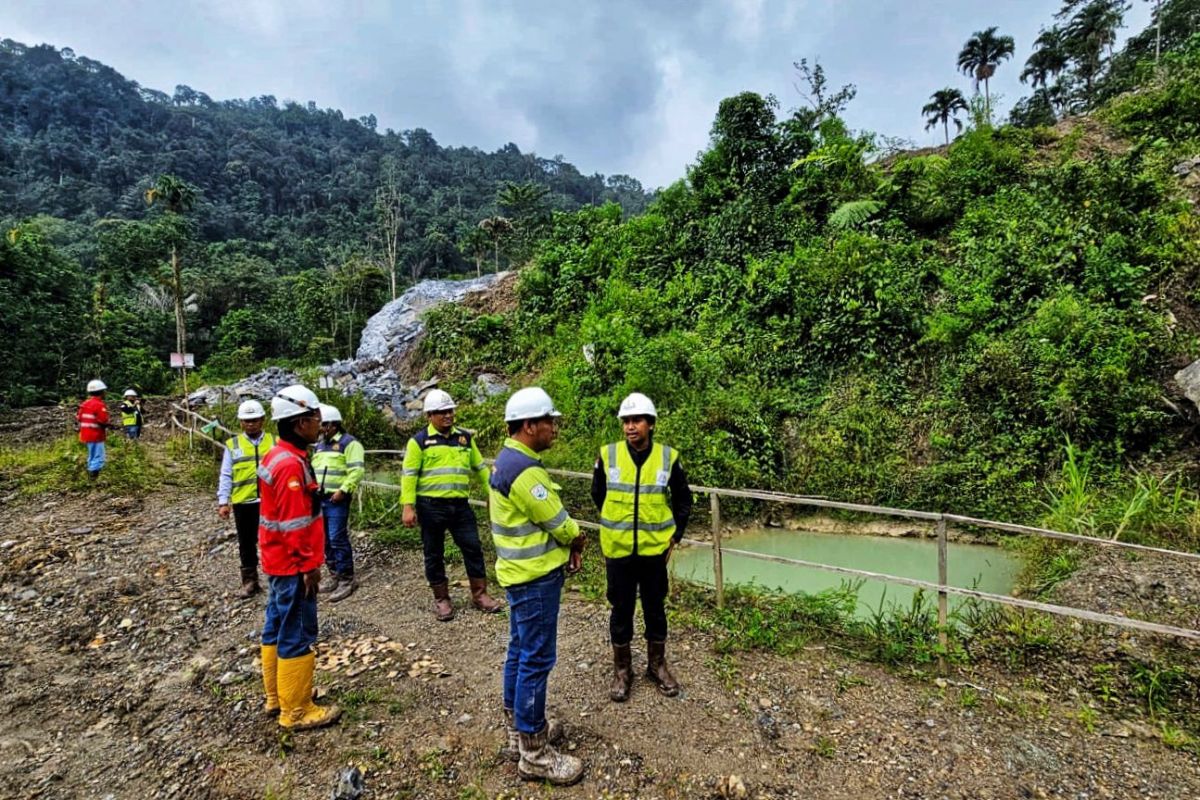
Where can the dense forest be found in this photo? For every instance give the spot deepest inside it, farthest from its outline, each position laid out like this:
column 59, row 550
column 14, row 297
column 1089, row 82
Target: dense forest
column 292, row 219
column 942, row 329
column 811, row 311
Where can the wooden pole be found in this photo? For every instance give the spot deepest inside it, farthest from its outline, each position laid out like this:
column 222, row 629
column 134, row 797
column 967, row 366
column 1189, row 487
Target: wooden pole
column 718, row 569
column 943, row 598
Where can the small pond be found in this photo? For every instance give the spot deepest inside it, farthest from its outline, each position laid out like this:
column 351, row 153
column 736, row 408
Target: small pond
column 983, row 567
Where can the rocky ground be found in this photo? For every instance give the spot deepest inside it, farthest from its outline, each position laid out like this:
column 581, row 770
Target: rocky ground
column 127, row 670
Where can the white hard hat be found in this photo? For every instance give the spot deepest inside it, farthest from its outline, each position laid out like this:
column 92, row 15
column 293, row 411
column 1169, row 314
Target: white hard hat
column 131, row 393
column 437, row 400
column 330, row 413
column 96, row 385
column 251, row 409
column 294, row 401
column 531, row 403
column 637, row 405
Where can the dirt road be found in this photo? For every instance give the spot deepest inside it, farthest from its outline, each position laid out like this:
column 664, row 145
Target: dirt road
column 128, row 671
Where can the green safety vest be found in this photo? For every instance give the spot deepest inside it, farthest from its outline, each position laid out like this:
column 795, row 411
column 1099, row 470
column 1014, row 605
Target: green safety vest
column 635, row 518
column 246, row 456
column 129, row 414
column 437, row 465
column 339, row 464
column 531, row 530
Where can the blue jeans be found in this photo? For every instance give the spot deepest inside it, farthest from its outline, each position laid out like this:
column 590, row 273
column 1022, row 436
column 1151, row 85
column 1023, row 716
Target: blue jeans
column 96, row 456
column 291, row 619
column 133, row 431
column 532, row 648
column 338, row 552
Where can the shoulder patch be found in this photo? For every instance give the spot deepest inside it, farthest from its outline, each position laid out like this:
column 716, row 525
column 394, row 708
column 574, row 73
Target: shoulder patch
column 539, row 492
column 294, row 484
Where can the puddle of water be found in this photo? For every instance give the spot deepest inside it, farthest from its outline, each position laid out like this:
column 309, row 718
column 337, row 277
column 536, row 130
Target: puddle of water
column 983, row 567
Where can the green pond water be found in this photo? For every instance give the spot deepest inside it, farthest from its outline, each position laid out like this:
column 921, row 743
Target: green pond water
column 989, row 569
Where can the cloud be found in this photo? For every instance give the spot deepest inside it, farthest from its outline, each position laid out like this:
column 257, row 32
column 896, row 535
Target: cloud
column 623, row 86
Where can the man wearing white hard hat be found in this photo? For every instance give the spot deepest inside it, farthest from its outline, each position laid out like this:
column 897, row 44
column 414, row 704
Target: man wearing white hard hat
column 536, row 542
column 131, row 414
column 237, row 487
column 438, row 464
column 645, row 503
column 291, row 536
column 92, row 422
column 339, row 463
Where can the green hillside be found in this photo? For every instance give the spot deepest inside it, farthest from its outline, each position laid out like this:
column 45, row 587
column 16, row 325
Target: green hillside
column 939, row 330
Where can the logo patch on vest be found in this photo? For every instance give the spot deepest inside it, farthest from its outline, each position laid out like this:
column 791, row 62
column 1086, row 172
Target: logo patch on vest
column 539, row 492
column 614, row 474
column 662, row 477
column 237, row 452
column 294, row 484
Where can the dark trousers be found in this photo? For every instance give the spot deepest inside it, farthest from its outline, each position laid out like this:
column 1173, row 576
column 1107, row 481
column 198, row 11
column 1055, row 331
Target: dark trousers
column 291, row 617
column 245, row 518
column 339, row 553
column 626, row 577
column 439, row 514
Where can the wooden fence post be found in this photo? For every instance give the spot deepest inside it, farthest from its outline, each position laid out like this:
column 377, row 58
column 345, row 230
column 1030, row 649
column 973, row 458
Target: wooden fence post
column 943, row 597
column 718, row 570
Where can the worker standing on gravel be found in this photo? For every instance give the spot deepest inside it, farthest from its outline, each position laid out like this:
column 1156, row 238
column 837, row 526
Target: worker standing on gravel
column 91, row 421
column 291, row 535
column 339, row 463
column 131, row 414
column 639, row 527
column 438, row 464
column 535, row 539
column 237, row 487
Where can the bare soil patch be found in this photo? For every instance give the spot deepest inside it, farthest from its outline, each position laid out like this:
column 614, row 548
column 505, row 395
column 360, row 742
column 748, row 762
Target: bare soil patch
column 128, row 671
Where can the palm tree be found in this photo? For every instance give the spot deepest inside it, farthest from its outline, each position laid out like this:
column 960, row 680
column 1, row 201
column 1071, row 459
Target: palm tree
column 980, row 56
column 1048, row 60
column 1089, row 32
column 941, row 109
column 176, row 196
column 496, row 228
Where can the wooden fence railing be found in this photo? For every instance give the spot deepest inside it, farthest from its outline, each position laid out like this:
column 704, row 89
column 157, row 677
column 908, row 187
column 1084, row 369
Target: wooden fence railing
column 938, row 520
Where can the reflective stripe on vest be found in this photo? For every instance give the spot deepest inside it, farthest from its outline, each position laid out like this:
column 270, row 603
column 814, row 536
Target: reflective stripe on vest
column 445, row 464
column 635, row 518
column 245, row 457
column 129, row 414
column 330, row 465
column 525, row 550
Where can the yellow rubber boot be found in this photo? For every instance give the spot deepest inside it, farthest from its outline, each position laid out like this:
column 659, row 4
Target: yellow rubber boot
column 270, row 672
column 298, row 712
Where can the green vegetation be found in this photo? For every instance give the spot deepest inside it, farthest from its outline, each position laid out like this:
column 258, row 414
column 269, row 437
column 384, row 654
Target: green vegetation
column 946, row 331
column 281, row 227
column 62, row 465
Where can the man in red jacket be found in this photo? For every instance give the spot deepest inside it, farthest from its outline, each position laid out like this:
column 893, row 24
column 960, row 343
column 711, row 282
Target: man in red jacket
column 92, row 421
column 291, row 538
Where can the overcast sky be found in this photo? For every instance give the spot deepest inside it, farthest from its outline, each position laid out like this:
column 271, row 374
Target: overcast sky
column 613, row 85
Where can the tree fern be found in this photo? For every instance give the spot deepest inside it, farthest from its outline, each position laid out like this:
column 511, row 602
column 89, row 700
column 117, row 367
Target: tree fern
column 853, row 214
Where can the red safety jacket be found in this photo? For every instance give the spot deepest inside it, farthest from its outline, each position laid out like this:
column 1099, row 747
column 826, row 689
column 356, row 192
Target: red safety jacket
column 291, row 533
column 92, row 417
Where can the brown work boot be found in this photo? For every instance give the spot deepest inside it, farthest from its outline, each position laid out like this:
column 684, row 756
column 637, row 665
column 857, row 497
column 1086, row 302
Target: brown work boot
column 512, row 749
column 442, row 608
column 329, row 583
column 250, row 585
column 622, row 680
column 345, row 587
column 481, row 599
column 657, row 670
column 541, row 762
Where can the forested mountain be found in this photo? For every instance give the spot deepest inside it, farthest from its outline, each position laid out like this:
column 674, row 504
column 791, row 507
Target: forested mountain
column 283, row 226
column 80, row 142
